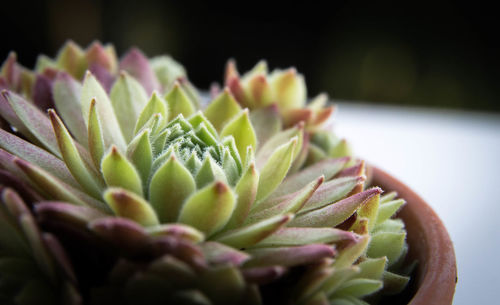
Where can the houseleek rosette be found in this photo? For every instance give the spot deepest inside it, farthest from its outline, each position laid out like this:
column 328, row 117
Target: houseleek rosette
column 125, row 191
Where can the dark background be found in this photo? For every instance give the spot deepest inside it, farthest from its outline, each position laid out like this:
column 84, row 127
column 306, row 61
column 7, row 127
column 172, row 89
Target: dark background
column 438, row 54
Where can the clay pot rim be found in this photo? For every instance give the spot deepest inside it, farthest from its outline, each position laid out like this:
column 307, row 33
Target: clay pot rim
column 429, row 243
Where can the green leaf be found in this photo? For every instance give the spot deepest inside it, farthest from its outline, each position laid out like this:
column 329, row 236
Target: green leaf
column 222, row 109
column 389, row 208
column 209, row 209
column 372, row 268
column 155, row 105
column 278, row 140
column 276, row 169
column 66, row 93
column 111, row 131
column 250, row 235
column 129, row 205
column 170, row 186
column 178, row 103
column 242, row 130
column 119, row 172
column 95, row 136
column 359, row 287
column 340, row 276
column 198, row 120
column 246, row 191
column 82, row 171
column 334, row 214
column 210, row 171
column 387, row 244
column 394, row 283
column 352, row 252
column 128, row 99
column 71, row 58
column 139, row 151
column 369, row 210
column 289, row 88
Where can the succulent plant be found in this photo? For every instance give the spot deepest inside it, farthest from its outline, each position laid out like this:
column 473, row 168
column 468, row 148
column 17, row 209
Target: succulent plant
column 120, row 186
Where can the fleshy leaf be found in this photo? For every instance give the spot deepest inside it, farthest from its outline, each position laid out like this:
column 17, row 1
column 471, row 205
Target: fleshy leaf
column 129, row 205
column 36, row 121
column 334, row 214
column 291, row 203
column 217, row 253
column 155, row 105
column 95, row 136
column 66, row 92
column 82, row 171
column 54, row 187
column 372, row 268
column 387, row 209
column 278, row 140
column 111, row 131
column 177, row 230
column 37, row 156
column 332, row 191
column 289, row 88
column 328, row 168
column 170, row 186
column 128, row 99
column 289, row 256
column 246, row 191
column 71, row 58
column 276, row 168
column 352, row 252
column 287, row 237
column 369, row 210
column 209, row 209
column 250, row 235
column 242, row 131
column 178, row 103
column 139, row 151
column 118, row 171
column 359, row 287
column 222, row 109
column 387, row 244
column 209, row 172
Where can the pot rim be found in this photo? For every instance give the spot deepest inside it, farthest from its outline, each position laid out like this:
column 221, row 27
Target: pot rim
column 429, row 243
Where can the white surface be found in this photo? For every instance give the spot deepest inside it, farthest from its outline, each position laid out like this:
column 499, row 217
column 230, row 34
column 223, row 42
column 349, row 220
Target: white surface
column 451, row 159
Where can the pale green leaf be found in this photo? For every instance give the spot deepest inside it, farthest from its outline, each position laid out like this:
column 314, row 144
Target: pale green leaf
column 119, row 172
column 111, row 131
column 222, row 109
column 276, row 168
column 171, row 184
column 209, row 209
column 129, row 205
column 242, row 130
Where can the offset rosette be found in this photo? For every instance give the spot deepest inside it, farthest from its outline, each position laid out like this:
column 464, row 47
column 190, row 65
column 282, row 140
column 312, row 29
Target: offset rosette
column 138, row 195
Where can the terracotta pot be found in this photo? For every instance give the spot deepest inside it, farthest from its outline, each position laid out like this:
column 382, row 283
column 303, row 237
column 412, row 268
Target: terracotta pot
column 429, row 243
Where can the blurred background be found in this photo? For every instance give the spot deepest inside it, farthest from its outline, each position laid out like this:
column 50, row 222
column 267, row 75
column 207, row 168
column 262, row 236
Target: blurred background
column 439, row 54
